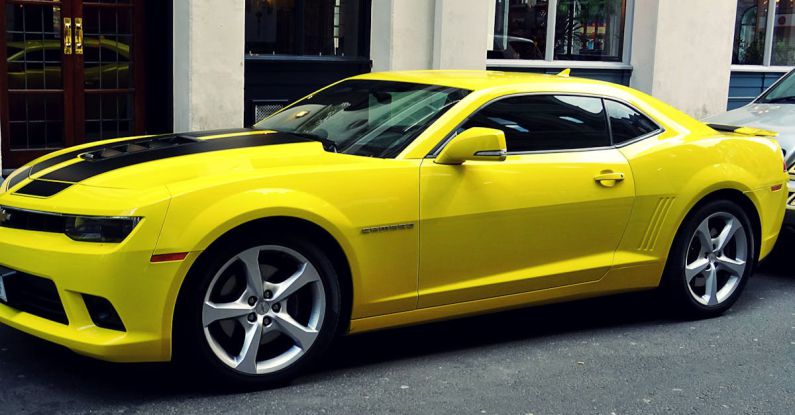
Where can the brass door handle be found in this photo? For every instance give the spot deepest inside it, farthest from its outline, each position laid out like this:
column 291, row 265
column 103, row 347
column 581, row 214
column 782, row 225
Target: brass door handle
column 78, row 35
column 67, row 35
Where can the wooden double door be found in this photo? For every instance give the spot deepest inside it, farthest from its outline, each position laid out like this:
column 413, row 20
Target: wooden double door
column 70, row 75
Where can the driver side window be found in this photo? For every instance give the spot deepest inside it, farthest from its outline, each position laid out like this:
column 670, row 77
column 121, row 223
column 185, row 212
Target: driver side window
column 546, row 122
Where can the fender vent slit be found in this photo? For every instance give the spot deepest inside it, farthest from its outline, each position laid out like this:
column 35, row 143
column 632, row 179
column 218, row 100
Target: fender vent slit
column 656, row 221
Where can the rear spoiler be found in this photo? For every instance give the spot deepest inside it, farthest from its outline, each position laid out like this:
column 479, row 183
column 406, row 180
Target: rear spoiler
column 743, row 130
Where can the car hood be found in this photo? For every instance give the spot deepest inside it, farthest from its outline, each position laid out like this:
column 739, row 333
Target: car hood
column 774, row 117
column 148, row 162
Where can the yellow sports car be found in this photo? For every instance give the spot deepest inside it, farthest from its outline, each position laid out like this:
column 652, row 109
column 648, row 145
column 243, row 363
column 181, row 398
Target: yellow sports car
column 382, row 200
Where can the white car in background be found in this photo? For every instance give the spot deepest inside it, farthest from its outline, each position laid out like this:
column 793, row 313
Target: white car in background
column 774, row 110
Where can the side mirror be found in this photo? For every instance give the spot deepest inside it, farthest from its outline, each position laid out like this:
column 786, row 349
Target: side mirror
column 485, row 144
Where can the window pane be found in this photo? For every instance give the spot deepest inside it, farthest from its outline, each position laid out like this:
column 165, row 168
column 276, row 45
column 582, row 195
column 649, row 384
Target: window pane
column 784, row 34
column 303, row 27
column 749, row 32
column 520, row 29
column 626, row 123
column 590, row 30
column 544, row 122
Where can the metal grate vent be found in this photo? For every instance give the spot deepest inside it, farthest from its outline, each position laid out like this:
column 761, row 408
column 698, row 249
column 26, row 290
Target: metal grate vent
column 263, row 111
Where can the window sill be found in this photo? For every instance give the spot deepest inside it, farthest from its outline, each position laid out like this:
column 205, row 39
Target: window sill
column 761, row 68
column 527, row 63
column 305, row 58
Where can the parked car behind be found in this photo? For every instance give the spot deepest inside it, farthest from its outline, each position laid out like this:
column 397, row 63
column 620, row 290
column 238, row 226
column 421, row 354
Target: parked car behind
column 773, row 110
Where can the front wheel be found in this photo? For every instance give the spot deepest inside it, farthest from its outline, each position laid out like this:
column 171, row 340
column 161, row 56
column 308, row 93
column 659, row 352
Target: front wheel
column 258, row 313
column 711, row 260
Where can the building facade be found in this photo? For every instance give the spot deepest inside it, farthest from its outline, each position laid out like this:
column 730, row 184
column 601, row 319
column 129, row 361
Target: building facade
column 83, row 70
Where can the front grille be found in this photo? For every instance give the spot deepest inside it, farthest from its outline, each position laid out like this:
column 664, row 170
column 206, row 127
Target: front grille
column 33, row 295
column 32, row 221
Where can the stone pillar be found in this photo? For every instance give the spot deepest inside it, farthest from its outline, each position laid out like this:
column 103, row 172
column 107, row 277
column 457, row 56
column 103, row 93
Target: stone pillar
column 209, row 38
column 429, row 34
column 402, row 34
column 461, row 32
column 681, row 52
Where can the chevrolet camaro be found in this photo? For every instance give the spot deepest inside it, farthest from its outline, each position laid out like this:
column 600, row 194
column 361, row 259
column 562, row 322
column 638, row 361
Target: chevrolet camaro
column 382, row 200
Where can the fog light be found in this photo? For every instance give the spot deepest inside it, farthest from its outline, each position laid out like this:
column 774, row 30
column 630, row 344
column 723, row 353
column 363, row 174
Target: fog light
column 102, row 313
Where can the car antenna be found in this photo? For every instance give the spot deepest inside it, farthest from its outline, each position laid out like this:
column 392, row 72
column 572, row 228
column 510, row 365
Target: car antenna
column 564, row 73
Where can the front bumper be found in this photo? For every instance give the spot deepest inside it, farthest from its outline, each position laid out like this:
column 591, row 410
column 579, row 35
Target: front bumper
column 142, row 293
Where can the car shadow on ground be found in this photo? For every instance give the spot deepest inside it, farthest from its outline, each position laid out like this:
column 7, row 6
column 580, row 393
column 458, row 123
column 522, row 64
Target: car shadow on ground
column 27, row 360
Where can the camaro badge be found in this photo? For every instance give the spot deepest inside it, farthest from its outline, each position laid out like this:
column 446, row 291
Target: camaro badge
column 387, row 228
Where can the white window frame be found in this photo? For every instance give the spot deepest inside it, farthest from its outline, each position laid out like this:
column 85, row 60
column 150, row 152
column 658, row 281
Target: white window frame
column 549, row 53
column 767, row 57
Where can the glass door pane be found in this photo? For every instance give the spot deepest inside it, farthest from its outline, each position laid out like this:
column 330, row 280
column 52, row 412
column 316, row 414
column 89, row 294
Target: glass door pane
column 35, row 76
column 108, row 65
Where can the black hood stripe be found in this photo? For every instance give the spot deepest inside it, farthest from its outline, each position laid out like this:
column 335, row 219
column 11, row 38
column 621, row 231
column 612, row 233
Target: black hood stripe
column 86, row 169
column 54, row 161
column 62, row 158
column 43, row 188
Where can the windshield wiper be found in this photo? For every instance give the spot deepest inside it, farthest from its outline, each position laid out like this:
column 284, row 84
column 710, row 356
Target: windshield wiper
column 328, row 145
column 779, row 100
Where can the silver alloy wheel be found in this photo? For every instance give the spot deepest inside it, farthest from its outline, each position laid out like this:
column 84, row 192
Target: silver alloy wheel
column 263, row 310
column 716, row 258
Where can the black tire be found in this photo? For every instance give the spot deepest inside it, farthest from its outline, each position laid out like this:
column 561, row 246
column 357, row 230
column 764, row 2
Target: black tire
column 192, row 351
column 680, row 293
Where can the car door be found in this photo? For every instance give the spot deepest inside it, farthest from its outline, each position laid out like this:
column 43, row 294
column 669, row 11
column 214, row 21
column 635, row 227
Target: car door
column 552, row 214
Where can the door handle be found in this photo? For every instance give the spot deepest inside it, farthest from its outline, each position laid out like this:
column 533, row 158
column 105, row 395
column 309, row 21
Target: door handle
column 67, row 35
column 78, row 35
column 609, row 179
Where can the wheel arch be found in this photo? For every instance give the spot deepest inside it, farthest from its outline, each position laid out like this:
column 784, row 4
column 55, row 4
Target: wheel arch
column 743, row 199
column 278, row 224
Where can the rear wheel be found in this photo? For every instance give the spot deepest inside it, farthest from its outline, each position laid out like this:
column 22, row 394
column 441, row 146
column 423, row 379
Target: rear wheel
column 258, row 313
column 711, row 260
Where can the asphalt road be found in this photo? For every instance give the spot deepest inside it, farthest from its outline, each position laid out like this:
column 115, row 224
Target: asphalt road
column 612, row 355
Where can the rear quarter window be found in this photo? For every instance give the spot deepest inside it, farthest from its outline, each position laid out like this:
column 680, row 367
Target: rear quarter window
column 627, row 123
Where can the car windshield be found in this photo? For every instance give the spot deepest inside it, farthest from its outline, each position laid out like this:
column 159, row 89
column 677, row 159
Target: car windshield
column 365, row 117
column 783, row 92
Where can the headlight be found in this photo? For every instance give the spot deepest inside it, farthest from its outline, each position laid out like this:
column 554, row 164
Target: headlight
column 99, row 229
column 78, row 228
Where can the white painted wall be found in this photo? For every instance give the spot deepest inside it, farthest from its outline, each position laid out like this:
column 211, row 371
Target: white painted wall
column 209, row 38
column 681, row 52
column 429, row 34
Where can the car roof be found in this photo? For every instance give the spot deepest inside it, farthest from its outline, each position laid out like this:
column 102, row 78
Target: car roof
column 480, row 80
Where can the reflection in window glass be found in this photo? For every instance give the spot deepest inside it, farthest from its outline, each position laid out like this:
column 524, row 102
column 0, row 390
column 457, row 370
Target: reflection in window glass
column 591, row 30
column 520, row 29
column 303, row 27
column 366, row 118
column 749, row 32
column 627, row 124
column 784, row 34
column 783, row 92
column 545, row 122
